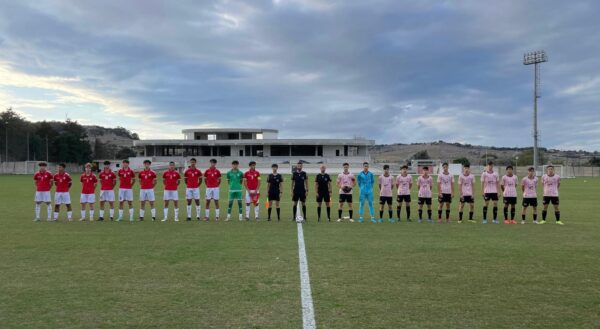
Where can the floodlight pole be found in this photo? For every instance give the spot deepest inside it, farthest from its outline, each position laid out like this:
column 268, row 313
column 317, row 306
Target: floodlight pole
column 535, row 58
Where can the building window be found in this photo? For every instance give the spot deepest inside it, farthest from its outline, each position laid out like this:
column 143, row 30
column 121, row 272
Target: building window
column 259, row 136
column 233, row 136
column 241, row 153
column 303, row 150
column 223, row 151
column 320, row 150
column 345, row 150
column 337, row 153
column 246, row 135
column 212, row 137
column 280, row 150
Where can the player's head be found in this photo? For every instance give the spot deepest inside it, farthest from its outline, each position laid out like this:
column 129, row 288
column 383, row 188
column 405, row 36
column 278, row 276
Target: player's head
column 125, row 163
column 445, row 167
column 346, row 166
column 235, row 164
column 252, row 165
column 193, row 162
column 386, row 169
column 274, row 167
column 61, row 167
column 365, row 166
column 509, row 169
column 106, row 165
column 466, row 168
column 550, row 170
column 171, row 165
column 404, row 169
column 147, row 164
column 323, row 168
column 490, row 165
column 299, row 165
column 425, row 170
column 88, row 168
column 42, row 166
column 213, row 163
column 530, row 172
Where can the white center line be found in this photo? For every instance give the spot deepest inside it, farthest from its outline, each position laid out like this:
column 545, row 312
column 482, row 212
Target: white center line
column 308, row 312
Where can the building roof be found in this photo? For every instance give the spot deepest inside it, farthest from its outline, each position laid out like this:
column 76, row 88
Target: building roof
column 228, row 130
column 348, row 141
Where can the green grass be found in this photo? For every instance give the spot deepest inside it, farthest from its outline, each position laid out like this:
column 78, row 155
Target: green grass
column 245, row 275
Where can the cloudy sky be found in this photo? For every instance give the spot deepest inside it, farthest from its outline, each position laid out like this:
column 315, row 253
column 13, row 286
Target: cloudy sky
column 393, row 71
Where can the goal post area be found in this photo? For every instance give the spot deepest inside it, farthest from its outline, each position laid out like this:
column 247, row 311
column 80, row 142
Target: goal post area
column 562, row 170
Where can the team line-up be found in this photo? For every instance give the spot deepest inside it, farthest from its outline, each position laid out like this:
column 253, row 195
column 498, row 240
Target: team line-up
column 250, row 181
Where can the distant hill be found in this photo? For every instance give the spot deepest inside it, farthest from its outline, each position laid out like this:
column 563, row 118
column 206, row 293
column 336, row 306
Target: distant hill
column 111, row 143
column 475, row 154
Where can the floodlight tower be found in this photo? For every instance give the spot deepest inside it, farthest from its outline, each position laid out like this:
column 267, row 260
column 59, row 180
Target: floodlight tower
column 535, row 58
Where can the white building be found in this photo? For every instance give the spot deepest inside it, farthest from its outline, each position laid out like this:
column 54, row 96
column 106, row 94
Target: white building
column 261, row 145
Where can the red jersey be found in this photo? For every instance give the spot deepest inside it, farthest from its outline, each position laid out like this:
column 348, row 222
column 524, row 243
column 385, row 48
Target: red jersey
column 88, row 183
column 252, row 177
column 108, row 180
column 212, row 176
column 62, row 182
column 43, row 181
column 171, row 178
column 193, row 177
column 147, row 178
column 126, row 177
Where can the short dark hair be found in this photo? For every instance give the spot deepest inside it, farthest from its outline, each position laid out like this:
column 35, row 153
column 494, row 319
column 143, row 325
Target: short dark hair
column 365, row 163
column 425, row 168
column 213, row 161
column 107, row 163
column 193, row 159
column 171, row 162
column 466, row 165
column 252, row 163
column 444, row 164
column 299, row 162
column 530, row 169
column 346, row 164
column 147, row 161
column 42, row 164
column 274, row 165
column 386, row 167
column 125, row 161
column 62, row 165
column 549, row 166
column 490, row 163
column 404, row 167
column 509, row 167
column 235, row 162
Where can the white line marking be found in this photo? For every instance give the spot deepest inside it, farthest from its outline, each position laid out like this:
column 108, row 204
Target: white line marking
column 308, row 312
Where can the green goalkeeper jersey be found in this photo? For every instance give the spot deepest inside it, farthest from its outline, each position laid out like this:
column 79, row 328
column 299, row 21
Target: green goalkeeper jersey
column 235, row 180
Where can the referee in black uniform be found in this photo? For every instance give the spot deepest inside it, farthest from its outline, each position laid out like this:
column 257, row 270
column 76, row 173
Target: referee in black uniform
column 299, row 189
column 323, row 188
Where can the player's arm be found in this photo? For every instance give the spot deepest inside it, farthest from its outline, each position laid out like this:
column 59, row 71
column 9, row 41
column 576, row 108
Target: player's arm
column 293, row 184
column 245, row 183
column 316, row 186
column 154, row 181
column 452, row 187
column 523, row 185
column 281, row 186
column 268, row 184
column 306, row 184
column 258, row 181
column 185, row 178
column 558, row 185
column 482, row 186
column 329, row 186
column 498, row 185
column 502, row 185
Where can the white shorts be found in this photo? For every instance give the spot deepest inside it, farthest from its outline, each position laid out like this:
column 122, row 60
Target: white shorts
column 147, row 195
column 171, row 195
column 125, row 194
column 87, row 198
column 192, row 193
column 62, row 198
column 42, row 196
column 212, row 193
column 249, row 199
column 107, row 195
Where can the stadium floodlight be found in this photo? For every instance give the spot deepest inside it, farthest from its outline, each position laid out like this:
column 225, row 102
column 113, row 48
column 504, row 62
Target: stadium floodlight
column 535, row 58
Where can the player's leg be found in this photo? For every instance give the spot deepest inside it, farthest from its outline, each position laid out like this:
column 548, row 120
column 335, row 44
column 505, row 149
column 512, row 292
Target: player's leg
column 319, row 204
column 130, row 208
column 38, row 206
column 448, row 211
column 256, row 203
column 278, row 209
column 303, row 201
column 398, row 207
column 82, row 209
column 407, row 208
column 535, row 214
column 69, row 211
column 248, row 205
column 486, row 203
column 198, row 206
column 556, row 208
column 328, row 204
column 91, row 214
column 420, row 210
column 207, row 206
column 513, row 211
column 176, row 209
column 440, row 207
column 188, row 207
column 471, row 210
column 361, row 202
column 505, row 211
column 429, row 211
column 142, row 206
column 381, row 206
column 166, row 207
column 340, row 210
column 152, row 209
column 269, row 209
column 111, row 211
column 390, row 211
column 217, row 208
column 371, row 208
column 294, row 206
column 495, row 210
column 461, row 206
column 101, row 210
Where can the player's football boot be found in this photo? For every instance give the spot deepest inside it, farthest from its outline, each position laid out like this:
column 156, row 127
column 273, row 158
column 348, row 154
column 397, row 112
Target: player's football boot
column 360, row 220
column 542, row 222
column 506, row 221
column 484, row 221
column 512, row 221
column 559, row 222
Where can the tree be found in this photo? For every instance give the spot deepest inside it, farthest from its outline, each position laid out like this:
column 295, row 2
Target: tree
column 421, row 155
column 125, row 153
column 526, row 157
column 594, row 161
column 463, row 161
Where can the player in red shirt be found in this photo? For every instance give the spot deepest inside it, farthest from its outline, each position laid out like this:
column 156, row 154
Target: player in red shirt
column 252, row 185
column 108, row 181
column 63, row 182
column 43, row 184
column 193, row 179
column 88, row 191
column 171, row 179
column 212, row 177
column 126, row 181
column 147, row 182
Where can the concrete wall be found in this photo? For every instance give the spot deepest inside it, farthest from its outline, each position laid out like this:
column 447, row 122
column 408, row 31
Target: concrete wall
column 30, row 167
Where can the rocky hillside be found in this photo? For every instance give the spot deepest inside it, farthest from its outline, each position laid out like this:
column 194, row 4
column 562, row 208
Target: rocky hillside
column 111, row 143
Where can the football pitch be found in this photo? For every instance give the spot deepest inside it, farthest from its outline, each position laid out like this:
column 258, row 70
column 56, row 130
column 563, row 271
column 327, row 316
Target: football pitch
column 246, row 274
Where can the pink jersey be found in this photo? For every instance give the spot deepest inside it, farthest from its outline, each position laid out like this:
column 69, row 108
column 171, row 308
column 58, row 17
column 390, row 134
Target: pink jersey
column 530, row 185
column 446, row 181
column 466, row 184
column 425, row 185
column 490, row 181
column 386, row 183
column 345, row 180
column 550, row 185
column 510, row 186
column 403, row 183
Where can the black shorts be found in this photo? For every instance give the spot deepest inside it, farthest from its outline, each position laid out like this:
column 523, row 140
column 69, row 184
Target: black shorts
column 550, row 199
column 490, row 196
column 467, row 199
column 345, row 198
column 323, row 196
column 511, row 200
column 274, row 196
column 445, row 198
column 529, row 202
column 385, row 199
column 426, row 201
column 299, row 196
column 403, row 198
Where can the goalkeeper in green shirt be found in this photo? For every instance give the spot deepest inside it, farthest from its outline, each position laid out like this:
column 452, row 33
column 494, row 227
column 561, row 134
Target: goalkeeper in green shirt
column 235, row 177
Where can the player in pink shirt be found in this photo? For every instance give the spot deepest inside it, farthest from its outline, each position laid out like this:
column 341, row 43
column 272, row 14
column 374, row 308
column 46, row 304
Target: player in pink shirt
column 551, row 184
column 445, row 192
column 509, row 194
column 403, row 184
column 466, row 181
column 489, row 187
column 345, row 181
column 529, row 188
column 425, row 185
column 386, row 183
